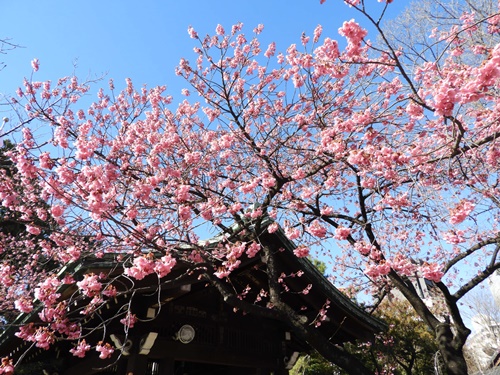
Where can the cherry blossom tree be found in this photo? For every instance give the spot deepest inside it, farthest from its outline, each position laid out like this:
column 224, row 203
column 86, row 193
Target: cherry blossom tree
column 396, row 165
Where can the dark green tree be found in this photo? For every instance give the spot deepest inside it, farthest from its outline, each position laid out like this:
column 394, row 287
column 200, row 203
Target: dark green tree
column 9, row 225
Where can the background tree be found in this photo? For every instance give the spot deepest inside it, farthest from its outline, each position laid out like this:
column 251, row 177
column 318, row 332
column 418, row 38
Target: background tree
column 408, row 347
column 396, row 164
column 484, row 342
column 417, row 30
column 313, row 364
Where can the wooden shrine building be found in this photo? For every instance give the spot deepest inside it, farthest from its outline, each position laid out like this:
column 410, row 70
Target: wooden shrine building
column 187, row 328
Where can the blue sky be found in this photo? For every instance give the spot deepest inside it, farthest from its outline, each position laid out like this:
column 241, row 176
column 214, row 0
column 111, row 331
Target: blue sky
column 144, row 40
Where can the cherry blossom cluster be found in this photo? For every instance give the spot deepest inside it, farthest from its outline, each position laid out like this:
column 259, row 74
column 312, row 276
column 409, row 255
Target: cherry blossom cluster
column 147, row 265
column 7, row 366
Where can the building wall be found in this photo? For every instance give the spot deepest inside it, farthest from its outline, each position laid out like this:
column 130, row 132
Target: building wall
column 494, row 284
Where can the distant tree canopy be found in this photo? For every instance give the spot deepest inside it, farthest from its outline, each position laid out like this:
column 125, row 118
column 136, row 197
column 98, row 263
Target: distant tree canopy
column 9, row 223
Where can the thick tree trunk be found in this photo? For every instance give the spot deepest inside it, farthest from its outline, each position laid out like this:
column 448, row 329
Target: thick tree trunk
column 450, row 344
column 451, row 349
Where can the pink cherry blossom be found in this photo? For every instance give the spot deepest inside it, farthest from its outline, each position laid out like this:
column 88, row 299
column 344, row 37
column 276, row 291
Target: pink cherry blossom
column 109, row 291
column 364, row 248
column 219, row 30
column 46, row 291
column 258, row 29
column 317, row 32
column 354, row 34
column 292, row 233
column 403, row 265
column 142, row 267
column 81, row 349
column 33, row 230
column 222, row 273
column 23, row 304
column 35, row 64
column 182, row 193
column 57, row 210
column 271, row 49
column 377, row 270
column 105, row 350
column 90, row 285
column 253, row 249
column 316, row 229
column 129, row 320
column 454, row 237
column 192, row 33
column 301, row 251
column 342, row 233
column 6, row 275
column 273, row 227
column 7, row 366
column 307, row 289
column 432, row 272
column 44, row 338
column 164, row 265
column 460, row 212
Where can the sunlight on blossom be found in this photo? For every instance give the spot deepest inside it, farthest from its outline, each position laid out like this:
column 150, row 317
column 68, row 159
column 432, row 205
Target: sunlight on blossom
column 35, row 64
column 432, row 272
column 81, row 349
column 460, row 212
column 301, row 251
column 105, row 350
column 7, row 366
column 129, row 320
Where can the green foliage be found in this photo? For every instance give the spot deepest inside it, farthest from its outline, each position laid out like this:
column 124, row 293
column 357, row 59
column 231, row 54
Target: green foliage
column 407, row 347
column 313, row 364
column 321, row 266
